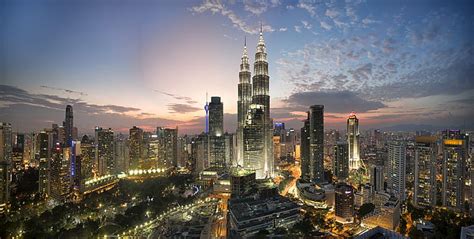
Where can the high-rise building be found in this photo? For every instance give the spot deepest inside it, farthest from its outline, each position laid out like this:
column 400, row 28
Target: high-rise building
column 243, row 103
column 454, row 165
column 5, row 164
column 168, row 140
column 56, row 172
column 397, row 169
column 425, row 171
column 136, row 147
column 376, row 178
column 254, row 144
column 44, row 164
column 341, row 161
column 216, row 134
column 353, row 142
column 261, row 96
column 312, row 145
column 216, row 117
column 344, row 205
column 104, row 141
column 121, row 154
column 88, row 168
column 305, row 158
column 69, row 125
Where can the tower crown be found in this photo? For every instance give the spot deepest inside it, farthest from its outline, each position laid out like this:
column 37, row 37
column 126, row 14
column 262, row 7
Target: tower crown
column 261, row 41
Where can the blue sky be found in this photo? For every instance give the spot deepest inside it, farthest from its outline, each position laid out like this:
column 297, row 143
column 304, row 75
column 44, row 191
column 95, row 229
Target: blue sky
column 150, row 63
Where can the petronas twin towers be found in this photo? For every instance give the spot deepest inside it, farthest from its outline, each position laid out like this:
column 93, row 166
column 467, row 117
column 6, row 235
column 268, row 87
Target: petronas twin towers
column 254, row 130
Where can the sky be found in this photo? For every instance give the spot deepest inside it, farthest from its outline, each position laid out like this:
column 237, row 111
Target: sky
column 150, row 63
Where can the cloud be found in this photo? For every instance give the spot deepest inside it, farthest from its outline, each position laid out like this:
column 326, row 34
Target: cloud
column 188, row 100
column 65, row 90
column 306, row 25
column 334, row 102
column 367, row 21
column 283, row 29
column 362, row 73
column 331, row 13
column 182, row 108
column 298, row 29
column 325, row 25
column 30, row 112
column 308, row 6
column 216, row 7
column 258, row 7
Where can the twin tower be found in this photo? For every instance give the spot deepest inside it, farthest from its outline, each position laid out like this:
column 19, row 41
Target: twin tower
column 254, row 129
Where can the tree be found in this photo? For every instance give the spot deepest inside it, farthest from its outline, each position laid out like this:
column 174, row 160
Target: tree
column 365, row 209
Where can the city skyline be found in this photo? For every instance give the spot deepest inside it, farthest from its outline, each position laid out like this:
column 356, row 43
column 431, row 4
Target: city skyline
column 117, row 69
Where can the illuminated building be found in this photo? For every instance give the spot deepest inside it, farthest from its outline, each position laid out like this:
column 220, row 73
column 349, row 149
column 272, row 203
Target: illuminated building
column 104, row 140
column 341, row 161
column 5, row 165
column 229, row 149
column 242, row 182
column 254, row 144
column 55, row 171
column 397, row 169
column 387, row 216
column 376, row 178
column 216, row 139
column 344, row 203
column 216, row 117
column 305, row 150
column 425, row 171
column 454, row 164
column 69, row 125
column 260, row 96
column 312, row 145
column 248, row 216
column 168, row 139
column 243, row 103
column 18, row 148
column 136, row 147
column 88, row 157
column 44, row 164
column 353, row 142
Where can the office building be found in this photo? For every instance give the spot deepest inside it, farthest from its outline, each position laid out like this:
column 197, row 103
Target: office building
column 341, row 161
column 353, row 142
column 377, row 178
column 397, row 169
column 312, row 144
column 454, row 164
column 344, row 205
column 168, row 140
column 136, row 147
column 104, row 141
column 254, row 145
column 5, row 165
column 216, row 117
column 44, row 164
column 243, row 103
column 425, row 171
column 88, row 166
column 68, row 125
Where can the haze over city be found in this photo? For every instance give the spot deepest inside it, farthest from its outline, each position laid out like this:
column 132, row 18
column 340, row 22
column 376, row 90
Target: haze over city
column 151, row 63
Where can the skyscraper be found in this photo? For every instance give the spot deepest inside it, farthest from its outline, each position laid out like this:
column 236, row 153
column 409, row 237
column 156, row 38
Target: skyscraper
column 344, row 203
column 243, row 103
column 254, row 145
column 5, row 164
column 376, row 178
column 69, row 125
column 397, row 169
column 44, row 164
column 261, row 96
column 136, row 147
column 216, row 117
column 316, row 143
column 454, row 164
column 104, row 140
column 353, row 141
column 341, row 161
column 305, row 158
column 88, row 158
column 425, row 171
column 168, row 140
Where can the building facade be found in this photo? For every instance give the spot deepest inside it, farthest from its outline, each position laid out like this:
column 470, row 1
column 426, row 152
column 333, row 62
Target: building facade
column 353, row 142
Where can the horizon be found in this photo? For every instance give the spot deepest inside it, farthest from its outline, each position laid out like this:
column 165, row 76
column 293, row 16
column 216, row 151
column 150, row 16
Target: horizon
column 151, row 64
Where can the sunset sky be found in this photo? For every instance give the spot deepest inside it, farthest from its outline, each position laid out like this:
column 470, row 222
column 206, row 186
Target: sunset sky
column 150, row 63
